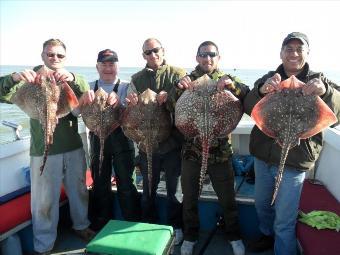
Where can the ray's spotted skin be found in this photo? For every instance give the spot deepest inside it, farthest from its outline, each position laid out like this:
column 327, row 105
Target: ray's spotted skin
column 101, row 118
column 288, row 115
column 207, row 113
column 147, row 123
column 46, row 100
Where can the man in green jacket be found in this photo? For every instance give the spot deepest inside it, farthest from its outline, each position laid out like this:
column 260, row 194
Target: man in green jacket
column 66, row 158
column 220, row 168
column 277, row 223
column 160, row 77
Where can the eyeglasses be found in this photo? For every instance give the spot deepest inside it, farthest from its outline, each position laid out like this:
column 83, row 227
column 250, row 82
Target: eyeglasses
column 206, row 54
column 52, row 55
column 299, row 50
column 154, row 50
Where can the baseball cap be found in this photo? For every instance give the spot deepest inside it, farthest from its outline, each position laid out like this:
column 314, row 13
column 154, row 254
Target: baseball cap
column 107, row 56
column 296, row 35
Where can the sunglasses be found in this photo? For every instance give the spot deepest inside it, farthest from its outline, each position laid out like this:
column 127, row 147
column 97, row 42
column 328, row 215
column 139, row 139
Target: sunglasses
column 154, row 50
column 206, row 54
column 299, row 50
column 52, row 55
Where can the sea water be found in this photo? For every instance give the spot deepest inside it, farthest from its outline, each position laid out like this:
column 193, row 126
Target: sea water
column 12, row 113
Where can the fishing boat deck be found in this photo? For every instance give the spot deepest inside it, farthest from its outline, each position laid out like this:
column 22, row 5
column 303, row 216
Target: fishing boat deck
column 68, row 243
column 211, row 241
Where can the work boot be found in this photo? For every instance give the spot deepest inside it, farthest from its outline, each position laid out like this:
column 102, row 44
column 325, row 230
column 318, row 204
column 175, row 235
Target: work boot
column 86, row 234
column 238, row 247
column 178, row 236
column 187, row 247
column 264, row 243
column 98, row 223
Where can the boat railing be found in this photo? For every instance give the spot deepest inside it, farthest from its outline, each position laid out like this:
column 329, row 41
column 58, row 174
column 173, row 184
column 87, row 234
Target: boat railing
column 15, row 127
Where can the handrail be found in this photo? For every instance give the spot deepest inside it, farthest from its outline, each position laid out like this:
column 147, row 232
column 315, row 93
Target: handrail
column 15, row 127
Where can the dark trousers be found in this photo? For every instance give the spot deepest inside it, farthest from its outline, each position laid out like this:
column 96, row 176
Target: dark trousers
column 170, row 163
column 119, row 154
column 222, row 179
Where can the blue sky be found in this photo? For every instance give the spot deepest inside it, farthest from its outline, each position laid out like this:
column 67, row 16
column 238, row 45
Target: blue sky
column 248, row 33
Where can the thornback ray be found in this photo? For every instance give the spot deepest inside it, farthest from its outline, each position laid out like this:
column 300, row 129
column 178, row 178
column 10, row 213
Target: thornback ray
column 46, row 100
column 101, row 118
column 288, row 116
column 207, row 114
column 147, row 123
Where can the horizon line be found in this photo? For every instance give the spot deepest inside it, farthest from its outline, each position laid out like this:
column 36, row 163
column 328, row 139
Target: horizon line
column 141, row 67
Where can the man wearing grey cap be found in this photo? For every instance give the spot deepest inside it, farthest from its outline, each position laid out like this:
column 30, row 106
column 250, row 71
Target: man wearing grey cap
column 119, row 151
column 277, row 222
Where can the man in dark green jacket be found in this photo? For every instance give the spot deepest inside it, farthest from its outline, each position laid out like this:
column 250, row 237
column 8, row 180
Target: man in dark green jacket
column 160, row 77
column 278, row 222
column 219, row 162
column 66, row 158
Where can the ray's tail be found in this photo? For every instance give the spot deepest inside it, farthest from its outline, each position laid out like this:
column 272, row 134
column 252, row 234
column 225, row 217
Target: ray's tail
column 204, row 166
column 284, row 154
column 44, row 158
column 101, row 140
column 101, row 152
column 149, row 160
column 47, row 144
column 47, row 129
column 205, row 144
column 48, row 133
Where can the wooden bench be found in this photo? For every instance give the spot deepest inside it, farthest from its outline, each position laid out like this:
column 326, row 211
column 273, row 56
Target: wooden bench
column 311, row 240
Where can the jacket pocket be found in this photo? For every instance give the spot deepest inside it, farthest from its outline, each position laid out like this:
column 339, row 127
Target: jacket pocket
column 260, row 145
column 301, row 156
column 309, row 148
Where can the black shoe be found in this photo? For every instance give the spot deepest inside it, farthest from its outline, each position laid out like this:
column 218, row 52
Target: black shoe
column 98, row 223
column 264, row 243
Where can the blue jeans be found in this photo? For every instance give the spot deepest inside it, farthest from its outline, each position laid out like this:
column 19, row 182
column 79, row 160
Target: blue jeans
column 170, row 163
column 278, row 220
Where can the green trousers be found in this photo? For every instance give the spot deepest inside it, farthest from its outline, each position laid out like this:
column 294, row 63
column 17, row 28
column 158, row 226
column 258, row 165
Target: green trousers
column 222, row 179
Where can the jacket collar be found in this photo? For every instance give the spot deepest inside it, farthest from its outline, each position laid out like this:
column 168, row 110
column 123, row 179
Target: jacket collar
column 162, row 67
column 301, row 76
column 198, row 72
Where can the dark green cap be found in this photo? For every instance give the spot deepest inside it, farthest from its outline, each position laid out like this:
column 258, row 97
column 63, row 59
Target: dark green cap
column 296, row 35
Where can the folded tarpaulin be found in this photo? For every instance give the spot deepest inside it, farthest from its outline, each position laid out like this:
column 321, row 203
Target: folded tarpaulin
column 321, row 219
